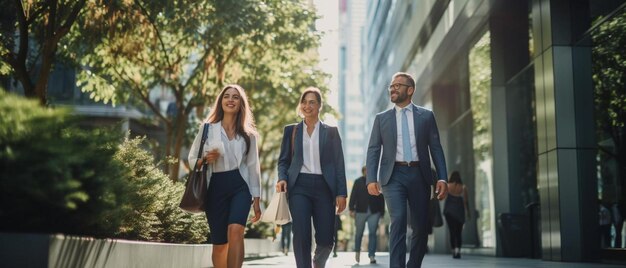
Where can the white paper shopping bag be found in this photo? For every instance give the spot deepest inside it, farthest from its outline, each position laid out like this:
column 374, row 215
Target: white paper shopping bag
column 277, row 211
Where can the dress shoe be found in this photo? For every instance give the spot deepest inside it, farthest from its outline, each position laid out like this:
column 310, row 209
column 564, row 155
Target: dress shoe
column 372, row 260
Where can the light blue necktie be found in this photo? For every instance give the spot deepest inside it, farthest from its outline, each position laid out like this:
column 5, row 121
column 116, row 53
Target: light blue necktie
column 406, row 140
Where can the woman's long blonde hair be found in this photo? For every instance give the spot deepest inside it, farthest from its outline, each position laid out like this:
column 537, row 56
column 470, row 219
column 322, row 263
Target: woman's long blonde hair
column 244, row 122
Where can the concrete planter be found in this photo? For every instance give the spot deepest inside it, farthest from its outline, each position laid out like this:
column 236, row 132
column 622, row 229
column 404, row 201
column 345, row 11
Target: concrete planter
column 43, row 250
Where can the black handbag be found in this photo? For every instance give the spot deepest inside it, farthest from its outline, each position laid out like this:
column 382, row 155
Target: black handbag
column 196, row 188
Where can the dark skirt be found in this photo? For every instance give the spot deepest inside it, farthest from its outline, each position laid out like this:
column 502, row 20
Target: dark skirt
column 228, row 201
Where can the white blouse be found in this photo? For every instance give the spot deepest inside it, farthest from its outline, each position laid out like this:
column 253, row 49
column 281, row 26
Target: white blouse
column 311, row 150
column 232, row 156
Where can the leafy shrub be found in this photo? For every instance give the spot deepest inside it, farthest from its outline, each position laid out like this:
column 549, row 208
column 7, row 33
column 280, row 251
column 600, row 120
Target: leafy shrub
column 56, row 177
column 155, row 215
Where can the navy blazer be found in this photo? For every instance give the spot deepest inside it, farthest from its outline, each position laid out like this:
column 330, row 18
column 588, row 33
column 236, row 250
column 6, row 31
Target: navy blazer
column 331, row 158
column 384, row 137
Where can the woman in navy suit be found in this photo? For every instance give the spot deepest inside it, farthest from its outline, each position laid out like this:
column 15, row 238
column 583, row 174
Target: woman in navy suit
column 311, row 169
column 234, row 183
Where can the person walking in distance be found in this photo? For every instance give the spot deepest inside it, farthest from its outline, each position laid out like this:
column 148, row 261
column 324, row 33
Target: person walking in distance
column 402, row 170
column 365, row 208
column 455, row 210
column 285, row 238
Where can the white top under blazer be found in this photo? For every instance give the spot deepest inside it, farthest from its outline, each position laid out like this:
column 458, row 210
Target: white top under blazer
column 232, row 156
column 311, row 150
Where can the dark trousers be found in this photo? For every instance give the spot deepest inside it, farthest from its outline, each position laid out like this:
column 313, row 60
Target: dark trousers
column 285, row 237
column 456, row 230
column 311, row 199
column 406, row 185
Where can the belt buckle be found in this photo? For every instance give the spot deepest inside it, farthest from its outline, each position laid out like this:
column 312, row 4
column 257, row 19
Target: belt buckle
column 408, row 163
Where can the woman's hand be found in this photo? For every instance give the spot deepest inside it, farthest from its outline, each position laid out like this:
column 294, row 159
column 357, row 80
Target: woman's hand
column 257, row 209
column 211, row 156
column 281, row 186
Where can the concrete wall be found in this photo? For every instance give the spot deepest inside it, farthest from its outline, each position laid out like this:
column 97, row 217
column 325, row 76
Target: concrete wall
column 41, row 250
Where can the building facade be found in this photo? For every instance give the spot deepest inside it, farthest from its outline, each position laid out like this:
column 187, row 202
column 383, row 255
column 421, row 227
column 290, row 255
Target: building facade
column 351, row 20
column 530, row 101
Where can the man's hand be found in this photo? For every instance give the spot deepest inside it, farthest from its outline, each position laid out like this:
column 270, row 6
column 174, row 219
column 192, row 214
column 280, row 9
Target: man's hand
column 281, row 186
column 341, row 204
column 441, row 190
column 373, row 188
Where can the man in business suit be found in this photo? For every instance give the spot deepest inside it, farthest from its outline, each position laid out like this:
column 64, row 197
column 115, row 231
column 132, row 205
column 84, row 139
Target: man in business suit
column 311, row 169
column 403, row 140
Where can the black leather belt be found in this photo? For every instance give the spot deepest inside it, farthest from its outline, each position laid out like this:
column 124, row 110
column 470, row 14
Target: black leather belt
column 407, row 164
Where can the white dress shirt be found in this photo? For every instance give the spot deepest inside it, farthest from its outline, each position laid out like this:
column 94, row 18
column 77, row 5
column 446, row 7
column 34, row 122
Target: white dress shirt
column 232, row 156
column 311, row 150
column 399, row 145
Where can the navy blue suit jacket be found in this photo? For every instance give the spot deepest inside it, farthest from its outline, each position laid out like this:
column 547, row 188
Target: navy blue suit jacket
column 384, row 138
column 331, row 158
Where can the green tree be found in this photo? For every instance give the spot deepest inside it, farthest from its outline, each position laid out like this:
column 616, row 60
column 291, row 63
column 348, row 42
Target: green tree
column 30, row 53
column 480, row 90
column 189, row 50
column 609, row 77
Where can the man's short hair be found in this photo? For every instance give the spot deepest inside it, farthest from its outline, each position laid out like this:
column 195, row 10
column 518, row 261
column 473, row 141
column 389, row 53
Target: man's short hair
column 405, row 75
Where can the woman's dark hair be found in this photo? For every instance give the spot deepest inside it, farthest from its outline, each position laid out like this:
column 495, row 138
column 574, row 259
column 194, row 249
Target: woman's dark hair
column 318, row 96
column 455, row 177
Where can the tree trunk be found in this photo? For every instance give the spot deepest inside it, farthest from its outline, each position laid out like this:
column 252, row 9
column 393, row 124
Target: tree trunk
column 169, row 129
column 179, row 134
column 41, row 88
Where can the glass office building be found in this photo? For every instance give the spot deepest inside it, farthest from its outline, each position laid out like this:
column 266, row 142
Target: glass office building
column 530, row 100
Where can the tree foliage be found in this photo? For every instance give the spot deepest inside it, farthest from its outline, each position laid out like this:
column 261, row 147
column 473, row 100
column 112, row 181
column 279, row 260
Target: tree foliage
column 609, row 78
column 480, row 90
column 188, row 50
column 29, row 53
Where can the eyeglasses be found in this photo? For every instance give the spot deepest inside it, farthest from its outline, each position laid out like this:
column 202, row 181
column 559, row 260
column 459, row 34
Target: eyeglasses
column 396, row 86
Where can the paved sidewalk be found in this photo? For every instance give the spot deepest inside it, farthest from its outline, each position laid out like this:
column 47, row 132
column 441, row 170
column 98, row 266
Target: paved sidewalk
column 346, row 259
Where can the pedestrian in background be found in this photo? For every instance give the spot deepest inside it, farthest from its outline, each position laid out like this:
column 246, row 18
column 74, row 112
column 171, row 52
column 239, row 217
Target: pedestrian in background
column 455, row 211
column 365, row 208
column 234, row 183
column 311, row 169
column 285, row 238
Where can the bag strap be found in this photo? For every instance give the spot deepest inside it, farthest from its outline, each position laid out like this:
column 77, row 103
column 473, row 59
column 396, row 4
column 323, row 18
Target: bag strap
column 205, row 134
column 293, row 138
